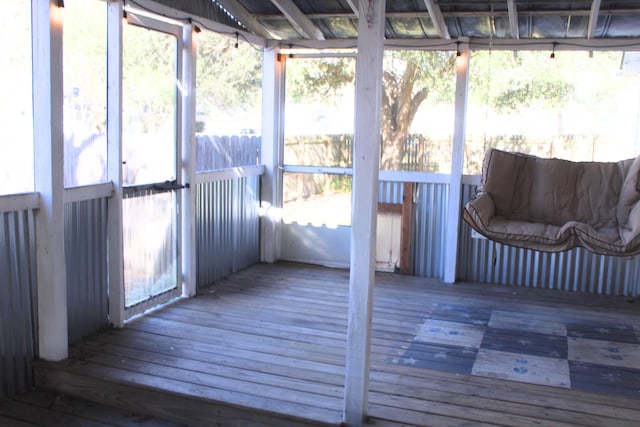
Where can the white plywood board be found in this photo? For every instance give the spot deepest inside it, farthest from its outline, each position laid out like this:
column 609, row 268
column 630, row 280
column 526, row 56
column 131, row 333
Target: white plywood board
column 316, row 244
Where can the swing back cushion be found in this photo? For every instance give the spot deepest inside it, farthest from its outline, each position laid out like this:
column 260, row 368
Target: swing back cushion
column 554, row 205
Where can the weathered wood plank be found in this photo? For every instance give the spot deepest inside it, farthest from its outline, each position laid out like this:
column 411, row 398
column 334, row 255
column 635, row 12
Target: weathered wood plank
column 187, row 403
column 425, row 411
column 332, row 342
column 5, row 421
column 235, row 317
column 280, row 387
column 42, row 416
column 423, row 288
column 85, row 410
column 243, row 340
column 279, row 331
column 288, row 367
column 404, row 377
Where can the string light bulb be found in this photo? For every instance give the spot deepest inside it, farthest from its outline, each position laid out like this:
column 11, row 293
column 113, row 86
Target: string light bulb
column 196, row 29
column 124, row 13
column 553, row 51
column 237, row 37
column 458, row 53
column 57, row 13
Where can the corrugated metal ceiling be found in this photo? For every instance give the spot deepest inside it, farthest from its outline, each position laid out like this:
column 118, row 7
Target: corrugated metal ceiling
column 426, row 19
column 470, row 18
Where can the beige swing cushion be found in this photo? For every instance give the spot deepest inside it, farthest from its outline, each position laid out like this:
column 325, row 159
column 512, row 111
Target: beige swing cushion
column 554, row 205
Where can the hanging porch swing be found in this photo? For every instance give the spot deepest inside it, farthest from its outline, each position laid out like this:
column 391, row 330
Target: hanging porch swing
column 554, row 205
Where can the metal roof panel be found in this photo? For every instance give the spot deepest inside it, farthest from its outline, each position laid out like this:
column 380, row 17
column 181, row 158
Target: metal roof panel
column 624, row 26
column 341, row 28
column 470, row 18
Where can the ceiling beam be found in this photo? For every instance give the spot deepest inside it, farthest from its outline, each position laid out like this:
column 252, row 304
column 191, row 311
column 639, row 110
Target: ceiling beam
column 574, row 44
column 513, row 19
column 465, row 14
column 298, row 19
column 156, row 7
column 245, row 18
column 593, row 18
column 354, row 6
column 438, row 20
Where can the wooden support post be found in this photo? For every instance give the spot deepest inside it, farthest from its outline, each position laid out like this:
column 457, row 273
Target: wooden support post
column 406, row 226
column 188, row 161
column 366, row 161
column 457, row 163
column 48, row 137
column 114, row 161
column 273, row 74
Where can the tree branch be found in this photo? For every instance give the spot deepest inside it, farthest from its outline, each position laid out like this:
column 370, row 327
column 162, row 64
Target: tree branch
column 416, row 101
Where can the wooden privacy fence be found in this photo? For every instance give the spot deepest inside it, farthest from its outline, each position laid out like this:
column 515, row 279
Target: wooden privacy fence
column 319, row 150
column 419, row 153
column 222, row 152
column 86, row 162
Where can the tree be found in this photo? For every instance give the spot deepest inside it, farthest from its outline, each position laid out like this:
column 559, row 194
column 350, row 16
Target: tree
column 319, row 79
column 413, row 78
column 149, row 70
column 409, row 79
column 530, row 82
column 229, row 76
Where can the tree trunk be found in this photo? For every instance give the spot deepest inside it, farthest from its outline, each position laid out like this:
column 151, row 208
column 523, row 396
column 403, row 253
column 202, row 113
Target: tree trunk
column 393, row 149
column 399, row 107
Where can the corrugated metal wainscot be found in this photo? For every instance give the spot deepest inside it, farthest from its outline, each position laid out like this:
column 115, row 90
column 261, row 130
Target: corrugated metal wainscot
column 227, row 227
column 86, row 255
column 18, row 288
column 429, row 223
column 578, row 270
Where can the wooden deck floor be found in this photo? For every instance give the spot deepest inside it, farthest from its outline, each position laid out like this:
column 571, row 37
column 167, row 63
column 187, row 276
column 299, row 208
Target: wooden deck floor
column 267, row 347
column 48, row 409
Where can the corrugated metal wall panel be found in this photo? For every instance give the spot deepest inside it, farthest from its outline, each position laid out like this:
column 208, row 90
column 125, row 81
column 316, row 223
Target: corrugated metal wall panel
column 18, row 289
column 227, row 225
column 430, row 215
column 87, row 265
column 577, row 270
column 389, row 192
column 428, row 225
column 221, row 152
column 247, row 236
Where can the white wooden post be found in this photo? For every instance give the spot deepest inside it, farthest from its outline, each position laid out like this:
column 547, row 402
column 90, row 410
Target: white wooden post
column 48, row 137
column 188, row 162
column 457, row 162
column 114, row 160
column 366, row 163
column 271, row 153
